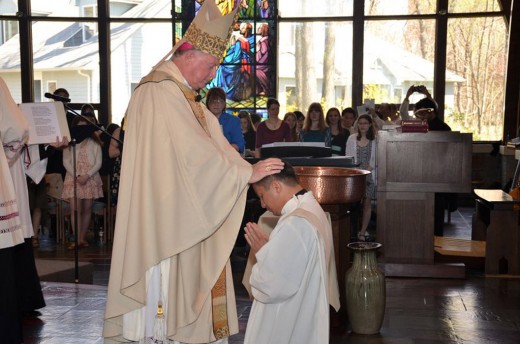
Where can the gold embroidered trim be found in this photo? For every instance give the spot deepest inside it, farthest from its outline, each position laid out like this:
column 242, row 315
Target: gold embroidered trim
column 219, row 307
column 196, row 108
column 210, row 44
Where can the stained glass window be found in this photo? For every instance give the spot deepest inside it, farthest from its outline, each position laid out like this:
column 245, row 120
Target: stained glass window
column 247, row 72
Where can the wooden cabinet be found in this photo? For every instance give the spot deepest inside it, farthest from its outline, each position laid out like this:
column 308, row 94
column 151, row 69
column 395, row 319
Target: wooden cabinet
column 412, row 167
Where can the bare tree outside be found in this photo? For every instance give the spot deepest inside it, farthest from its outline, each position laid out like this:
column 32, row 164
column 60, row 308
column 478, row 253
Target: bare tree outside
column 400, row 52
column 476, row 50
column 309, row 87
column 306, row 58
column 304, row 68
column 329, row 56
column 423, row 46
column 298, row 68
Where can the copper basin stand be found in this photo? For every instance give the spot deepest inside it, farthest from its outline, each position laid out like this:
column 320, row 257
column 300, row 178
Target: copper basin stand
column 339, row 191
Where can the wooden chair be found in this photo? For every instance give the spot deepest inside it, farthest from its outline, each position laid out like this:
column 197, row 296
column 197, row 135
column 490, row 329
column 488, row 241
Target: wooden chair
column 57, row 205
column 61, row 208
column 497, row 222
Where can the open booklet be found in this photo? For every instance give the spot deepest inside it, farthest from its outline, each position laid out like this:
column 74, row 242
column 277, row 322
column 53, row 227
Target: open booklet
column 46, row 121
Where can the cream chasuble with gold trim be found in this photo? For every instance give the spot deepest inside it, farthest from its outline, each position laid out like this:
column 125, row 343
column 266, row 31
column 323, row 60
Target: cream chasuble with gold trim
column 182, row 198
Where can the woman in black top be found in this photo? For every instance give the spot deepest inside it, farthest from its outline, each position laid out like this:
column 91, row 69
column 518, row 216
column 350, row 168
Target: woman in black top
column 248, row 131
column 338, row 133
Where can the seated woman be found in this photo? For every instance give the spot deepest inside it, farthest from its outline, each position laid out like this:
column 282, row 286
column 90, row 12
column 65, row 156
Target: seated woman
column 315, row 129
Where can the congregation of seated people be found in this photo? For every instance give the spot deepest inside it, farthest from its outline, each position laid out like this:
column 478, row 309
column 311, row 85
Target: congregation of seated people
column 335, row 128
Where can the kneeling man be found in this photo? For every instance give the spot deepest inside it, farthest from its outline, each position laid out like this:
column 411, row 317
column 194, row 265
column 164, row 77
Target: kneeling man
column 294, row 279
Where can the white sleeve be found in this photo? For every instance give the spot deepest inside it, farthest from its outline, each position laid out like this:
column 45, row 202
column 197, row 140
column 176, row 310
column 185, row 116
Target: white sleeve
column 403, row 109
column 67, row 160
column 14, row 130
column 282, row 262
column 350, row 149
column 378, row 122
column 98, row 159
column 373, row 160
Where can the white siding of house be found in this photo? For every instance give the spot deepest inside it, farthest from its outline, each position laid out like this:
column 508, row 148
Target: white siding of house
column 134, row 59
column 68, row 79
column 8, row 7
column 121, row 66
column 14, row 84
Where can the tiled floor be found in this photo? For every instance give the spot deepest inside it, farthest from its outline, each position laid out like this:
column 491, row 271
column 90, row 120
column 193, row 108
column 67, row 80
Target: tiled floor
column 473, row 310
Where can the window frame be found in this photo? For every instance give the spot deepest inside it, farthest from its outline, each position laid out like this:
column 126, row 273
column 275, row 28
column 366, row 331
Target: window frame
column 25, row 19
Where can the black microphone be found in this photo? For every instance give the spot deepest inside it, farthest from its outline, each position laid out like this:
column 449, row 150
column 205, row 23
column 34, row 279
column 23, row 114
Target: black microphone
column 56, row 97
column 198, row 98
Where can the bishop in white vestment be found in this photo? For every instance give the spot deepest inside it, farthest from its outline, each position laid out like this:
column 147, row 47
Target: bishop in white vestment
column 181, row 200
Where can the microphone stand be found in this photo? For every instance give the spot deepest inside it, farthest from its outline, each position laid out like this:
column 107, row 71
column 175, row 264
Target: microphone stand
column 73, row 143
column 98, row 127
column 75, row 188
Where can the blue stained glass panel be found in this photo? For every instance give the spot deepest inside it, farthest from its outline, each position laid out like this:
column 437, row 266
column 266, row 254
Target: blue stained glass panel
column 247, row 69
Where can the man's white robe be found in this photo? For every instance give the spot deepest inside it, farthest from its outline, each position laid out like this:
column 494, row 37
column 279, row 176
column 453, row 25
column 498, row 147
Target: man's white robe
column 22, row 194
column 14, row 131
column 181, row 200
column 294, row 279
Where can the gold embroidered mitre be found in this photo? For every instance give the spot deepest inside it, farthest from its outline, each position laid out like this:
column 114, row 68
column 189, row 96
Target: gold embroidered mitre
column 210, row 30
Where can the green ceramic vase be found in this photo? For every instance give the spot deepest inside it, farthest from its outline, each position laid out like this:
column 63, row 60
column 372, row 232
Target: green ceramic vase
column 365, row 289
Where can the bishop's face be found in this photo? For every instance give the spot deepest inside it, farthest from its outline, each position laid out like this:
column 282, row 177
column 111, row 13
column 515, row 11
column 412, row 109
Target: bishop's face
column 203, row 68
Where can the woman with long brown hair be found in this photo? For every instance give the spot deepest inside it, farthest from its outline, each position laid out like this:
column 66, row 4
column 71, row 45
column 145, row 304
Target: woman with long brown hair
column 292, row 121
column 339, row 135
column 315, row 129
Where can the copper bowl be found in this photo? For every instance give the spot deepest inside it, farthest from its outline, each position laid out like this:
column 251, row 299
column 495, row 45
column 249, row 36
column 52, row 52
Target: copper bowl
column 333, row 185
